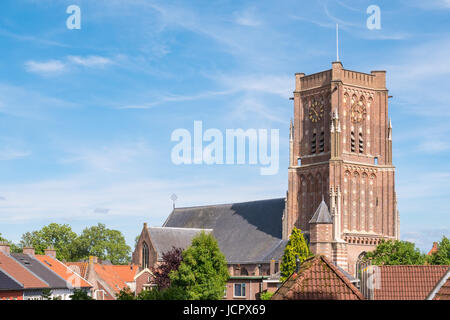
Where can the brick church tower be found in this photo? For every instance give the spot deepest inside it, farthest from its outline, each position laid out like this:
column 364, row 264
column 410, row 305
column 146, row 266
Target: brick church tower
column 341, row 190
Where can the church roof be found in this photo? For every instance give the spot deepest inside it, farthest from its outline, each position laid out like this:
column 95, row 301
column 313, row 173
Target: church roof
column 247, row 232
column 322, row 215
column 164, row 239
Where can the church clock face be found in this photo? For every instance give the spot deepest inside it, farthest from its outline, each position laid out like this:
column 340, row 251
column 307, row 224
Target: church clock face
column 358, row 112
column 316, row 111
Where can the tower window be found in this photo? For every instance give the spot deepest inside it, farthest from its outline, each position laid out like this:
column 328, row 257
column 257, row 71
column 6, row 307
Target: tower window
column 313, row 143
column 352, row 142
column 375, row 160
column 361, row 143
column 322, row 142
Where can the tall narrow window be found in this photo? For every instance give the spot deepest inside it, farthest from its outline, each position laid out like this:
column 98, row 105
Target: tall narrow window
column 352, row 147
column 144, row 255
column 322, row 142
column 361, row 143
column 313, row 143
column 375, row 160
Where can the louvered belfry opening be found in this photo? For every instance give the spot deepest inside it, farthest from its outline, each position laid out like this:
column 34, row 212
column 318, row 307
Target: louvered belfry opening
column 352, row 137
column 322, row 142
column 361, row 143
column 313, row 143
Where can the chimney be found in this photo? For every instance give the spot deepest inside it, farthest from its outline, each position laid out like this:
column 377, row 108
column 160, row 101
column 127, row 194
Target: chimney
column 272, row 266
column 51, row 252
column 4, row 247
column 28, row 250
column 93, row 259
column 434, row 249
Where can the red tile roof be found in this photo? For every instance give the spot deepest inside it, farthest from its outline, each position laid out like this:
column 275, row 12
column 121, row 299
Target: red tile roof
column 318, row 279
column 63, row 271
column 444, row 292
column 407, row 282
column 78, row 267
column 20, row 273
column 116, row 276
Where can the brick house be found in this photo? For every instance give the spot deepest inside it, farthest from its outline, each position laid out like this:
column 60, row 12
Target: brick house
column 107, row 279
column 32, row 285
column 10, row 289
column 317, row 278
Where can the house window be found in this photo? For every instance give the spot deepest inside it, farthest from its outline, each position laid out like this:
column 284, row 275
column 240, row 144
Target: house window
column 239, row 290
column 144, row 255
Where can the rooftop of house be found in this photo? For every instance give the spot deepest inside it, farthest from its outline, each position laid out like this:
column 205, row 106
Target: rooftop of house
column 8, row 283
column 317, row 279
column 407, row 282
column 20, row 274
column 247, row 232
column 41, row 270
column 73, row 278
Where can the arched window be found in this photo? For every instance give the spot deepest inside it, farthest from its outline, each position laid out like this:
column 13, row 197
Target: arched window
column 144, row 255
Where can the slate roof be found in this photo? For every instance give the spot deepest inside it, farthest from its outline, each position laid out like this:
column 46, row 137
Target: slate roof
column 247, row 232
column 20, row 273
column 407, row 282
column 165, row 238
column 317, row 279
column 442, row 290
column 322, row 214
column 35, row 266
column 8, row 283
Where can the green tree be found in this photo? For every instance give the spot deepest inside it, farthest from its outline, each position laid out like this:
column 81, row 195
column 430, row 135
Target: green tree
column 296, row 246
column 203, row 273
column 171, row 293
column 442, row 255
column 13, row 246
column 46, row 293
column 104, row 243
column 395, row 253
column 79, row 294
column 59, row 236
column 266, row 295
column 125, row 294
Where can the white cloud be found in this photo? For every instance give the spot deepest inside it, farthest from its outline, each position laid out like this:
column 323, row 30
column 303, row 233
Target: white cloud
column 45, row 67
column 57, row 67
column 12, row 154
column 247, row 18
column 90, row 61
column 112, row 158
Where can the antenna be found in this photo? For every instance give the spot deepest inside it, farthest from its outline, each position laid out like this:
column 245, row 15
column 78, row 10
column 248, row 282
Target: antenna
column 174, row 198
column 337, row 42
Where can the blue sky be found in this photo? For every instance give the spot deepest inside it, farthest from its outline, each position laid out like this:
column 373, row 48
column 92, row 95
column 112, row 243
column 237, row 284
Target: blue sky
column 86, row 115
